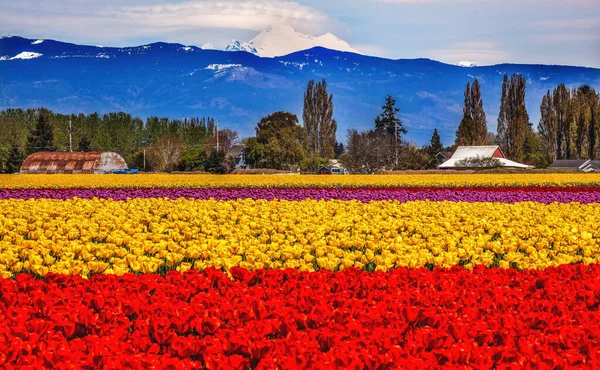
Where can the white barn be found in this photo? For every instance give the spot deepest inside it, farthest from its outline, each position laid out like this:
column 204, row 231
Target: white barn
column 474, row 152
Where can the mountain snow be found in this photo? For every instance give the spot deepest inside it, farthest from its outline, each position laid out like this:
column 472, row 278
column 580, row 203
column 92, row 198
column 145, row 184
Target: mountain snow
column 218, row 67
column 208, row 46
column 279, row 40
column 466, row 63
column 23, row 55
column 235, row 45
column 37, row 42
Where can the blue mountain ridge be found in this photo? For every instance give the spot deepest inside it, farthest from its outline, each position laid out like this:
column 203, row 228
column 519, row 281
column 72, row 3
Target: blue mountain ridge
column 238, row 88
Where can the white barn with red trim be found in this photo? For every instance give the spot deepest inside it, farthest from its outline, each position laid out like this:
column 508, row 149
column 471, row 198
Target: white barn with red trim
column 485, row 151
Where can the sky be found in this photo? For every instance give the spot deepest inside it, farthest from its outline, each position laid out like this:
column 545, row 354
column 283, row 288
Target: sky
column 565, row 32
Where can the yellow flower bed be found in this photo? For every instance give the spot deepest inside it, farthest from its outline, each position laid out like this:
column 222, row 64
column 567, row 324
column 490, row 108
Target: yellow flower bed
column 166, row 180
column 81, row 237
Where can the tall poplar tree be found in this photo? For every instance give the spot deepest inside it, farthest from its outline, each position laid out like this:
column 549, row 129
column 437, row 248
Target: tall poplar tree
column 318, row 120
column 562, row 102
column 513, row 120
column 472, row 129
column 502, row 129
column 548, row 125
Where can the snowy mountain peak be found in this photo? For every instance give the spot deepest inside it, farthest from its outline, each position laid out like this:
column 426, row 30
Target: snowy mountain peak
column 236, row 45
column 282, row 39
column 466, row 63
column 208, row 46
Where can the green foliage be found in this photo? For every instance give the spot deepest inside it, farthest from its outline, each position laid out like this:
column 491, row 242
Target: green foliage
column 85, row 145
column 313, row 164
column 279, row 143
column 41, row 139
column 193, row 159
column 14, row 159
column 117, row 132
column 216, row 162
column 478, row 162
column 435, row 144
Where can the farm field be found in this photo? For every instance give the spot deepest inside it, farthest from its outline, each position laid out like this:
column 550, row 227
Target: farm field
column 294, row 271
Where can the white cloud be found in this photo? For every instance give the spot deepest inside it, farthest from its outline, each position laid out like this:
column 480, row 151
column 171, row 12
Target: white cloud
column 188, row 22
column 246, row 15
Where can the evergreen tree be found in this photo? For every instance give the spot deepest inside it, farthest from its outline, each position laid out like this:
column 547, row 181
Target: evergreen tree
column 41, row 139
column 318, row 120
column 216, row 162
column 14, row 160
column 435, row 145
column 388, row 122
column 85, row 145
column 339, row 149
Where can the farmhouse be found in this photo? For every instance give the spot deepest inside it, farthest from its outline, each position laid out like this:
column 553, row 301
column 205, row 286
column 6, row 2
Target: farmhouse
column 238, row 152
column 479, row 152
column 73, row 162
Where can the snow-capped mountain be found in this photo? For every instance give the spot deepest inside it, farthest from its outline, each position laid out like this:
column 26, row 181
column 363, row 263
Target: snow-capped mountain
column 466, row 63
column 175, row 80
column 235, row 45
column 282, row 39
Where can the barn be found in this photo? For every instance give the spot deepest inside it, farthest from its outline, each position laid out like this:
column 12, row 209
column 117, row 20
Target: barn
column 73, row 162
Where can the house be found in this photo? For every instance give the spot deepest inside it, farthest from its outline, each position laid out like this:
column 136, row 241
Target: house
column 584, row 165
column 479, row 152
column 443, row 157
column 333, row 170
column 73, row 162
column 238, row 152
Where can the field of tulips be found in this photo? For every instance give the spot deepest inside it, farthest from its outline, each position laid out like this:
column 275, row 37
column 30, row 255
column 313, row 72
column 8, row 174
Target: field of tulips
column 285, row 271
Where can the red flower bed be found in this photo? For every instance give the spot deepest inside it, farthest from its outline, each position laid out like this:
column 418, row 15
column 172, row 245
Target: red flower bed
column 287, row 319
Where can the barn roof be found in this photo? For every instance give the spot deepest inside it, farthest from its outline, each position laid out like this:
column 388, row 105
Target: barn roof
column 568, row 163
column 236, row 150
column 72, row 162
column 485, row 151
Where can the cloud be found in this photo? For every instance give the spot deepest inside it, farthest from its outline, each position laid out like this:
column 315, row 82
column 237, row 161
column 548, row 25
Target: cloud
column 247, row 15
column 479, row 52
column 111, row 21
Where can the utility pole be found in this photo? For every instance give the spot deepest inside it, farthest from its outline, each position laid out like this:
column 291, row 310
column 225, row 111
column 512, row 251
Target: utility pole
column 70, row 136
column 396, row 142
column 217, row 135
column 144, row 159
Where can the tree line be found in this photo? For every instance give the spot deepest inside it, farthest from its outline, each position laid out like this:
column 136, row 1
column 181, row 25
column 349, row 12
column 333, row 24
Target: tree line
column 158, row 144
column 569, row 128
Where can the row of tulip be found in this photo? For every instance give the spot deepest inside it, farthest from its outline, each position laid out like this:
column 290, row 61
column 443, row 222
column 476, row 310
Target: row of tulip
column 296, row 181
column 502, row 195
column 413, row 319
column 90, row 236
